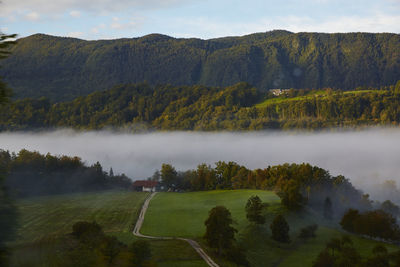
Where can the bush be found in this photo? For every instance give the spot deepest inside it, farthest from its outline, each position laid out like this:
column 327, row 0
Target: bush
column 308, row 231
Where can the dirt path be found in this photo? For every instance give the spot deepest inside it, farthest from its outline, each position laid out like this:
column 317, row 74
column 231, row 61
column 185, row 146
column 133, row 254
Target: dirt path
column 194, row 244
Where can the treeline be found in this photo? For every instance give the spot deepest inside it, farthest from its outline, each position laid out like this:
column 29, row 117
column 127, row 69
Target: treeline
column 342, row 252
column 33, row 174
column 165, row 107
column 296, row 184
column 64, row 68
column 375, row 223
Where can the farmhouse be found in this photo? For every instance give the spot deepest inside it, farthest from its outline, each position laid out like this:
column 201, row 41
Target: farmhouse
column 145, row 186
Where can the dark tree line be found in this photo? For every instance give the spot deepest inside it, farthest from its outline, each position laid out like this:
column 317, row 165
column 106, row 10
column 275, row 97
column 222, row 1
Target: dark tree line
column 341, row 252
column 32, row 174
column 375, row 223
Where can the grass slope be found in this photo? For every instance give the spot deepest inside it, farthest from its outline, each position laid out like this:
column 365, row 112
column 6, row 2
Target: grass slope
column 54, row 216
column 319, row 94
column 44, row 219
column 183, row 215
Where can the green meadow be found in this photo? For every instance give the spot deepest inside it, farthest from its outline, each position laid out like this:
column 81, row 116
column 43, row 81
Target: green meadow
column 183, row 215
column 43, row 220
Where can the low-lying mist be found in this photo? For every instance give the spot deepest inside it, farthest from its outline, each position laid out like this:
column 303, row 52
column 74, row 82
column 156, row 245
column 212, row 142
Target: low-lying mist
column 367, row 157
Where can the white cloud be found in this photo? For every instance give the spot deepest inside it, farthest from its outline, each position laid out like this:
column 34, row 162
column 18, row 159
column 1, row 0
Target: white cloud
column 32, row 16
column 60, row 6
column 75, row 34
column 118, row 24
column 75, row 13
column 206, row 28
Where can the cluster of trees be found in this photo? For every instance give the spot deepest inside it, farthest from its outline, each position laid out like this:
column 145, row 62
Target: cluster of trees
column 375, row 223
column 88, row 245
column 296, row 184
column 31, row 174
column 64, row 68
column 220, row 233
column 341, row 252
column 166, row 107
column 279, row 226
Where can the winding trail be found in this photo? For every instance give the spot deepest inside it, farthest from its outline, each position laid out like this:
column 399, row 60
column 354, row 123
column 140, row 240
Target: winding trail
column 194, row 244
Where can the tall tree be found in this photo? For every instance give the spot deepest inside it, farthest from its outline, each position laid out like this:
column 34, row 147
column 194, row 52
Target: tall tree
column 168, row 175
column 254, row 209
column 219, row 231
column 280, row 229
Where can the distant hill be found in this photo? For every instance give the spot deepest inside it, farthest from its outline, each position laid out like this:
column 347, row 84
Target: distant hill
column 63, row 68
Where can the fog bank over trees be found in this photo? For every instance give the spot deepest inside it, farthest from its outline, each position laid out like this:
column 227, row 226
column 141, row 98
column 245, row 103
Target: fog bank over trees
column 367, row 157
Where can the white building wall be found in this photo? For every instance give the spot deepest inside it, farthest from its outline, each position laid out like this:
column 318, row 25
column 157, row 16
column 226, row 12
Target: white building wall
column 149, row 189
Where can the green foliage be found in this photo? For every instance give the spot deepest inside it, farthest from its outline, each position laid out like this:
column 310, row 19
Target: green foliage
column 168, row 175
column 397, row 87
column 297, row 185
column 308, row 231
column 141, row 250
column 280, row 229
column 341, row 252
column 254, row 209
column 64, row 68
column 31, row 174
column 375, row 223
column 219, row 231
column 140, row 107
column 90, row 246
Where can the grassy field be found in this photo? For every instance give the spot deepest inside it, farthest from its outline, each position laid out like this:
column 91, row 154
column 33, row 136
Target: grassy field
column 183, row 214
column 53, row 216
column 319, row 93
column 44, row 219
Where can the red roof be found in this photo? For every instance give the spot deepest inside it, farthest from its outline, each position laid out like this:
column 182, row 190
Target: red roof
column 144, row 183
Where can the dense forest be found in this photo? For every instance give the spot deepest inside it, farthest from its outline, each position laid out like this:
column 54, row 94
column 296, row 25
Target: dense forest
column 64, row 68
column 238, row 107
column 33, row 174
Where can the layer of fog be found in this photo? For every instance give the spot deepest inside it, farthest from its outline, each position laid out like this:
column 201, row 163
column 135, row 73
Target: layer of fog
column 366, row 157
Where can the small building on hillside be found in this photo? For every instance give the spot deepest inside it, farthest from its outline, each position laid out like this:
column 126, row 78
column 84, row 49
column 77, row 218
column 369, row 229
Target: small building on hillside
column 145, row 186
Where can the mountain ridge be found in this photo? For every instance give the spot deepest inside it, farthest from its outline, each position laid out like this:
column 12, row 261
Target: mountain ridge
column 63, row 68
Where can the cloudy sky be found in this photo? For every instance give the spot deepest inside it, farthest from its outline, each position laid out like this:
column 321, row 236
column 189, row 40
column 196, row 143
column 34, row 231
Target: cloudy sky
column 105, row 19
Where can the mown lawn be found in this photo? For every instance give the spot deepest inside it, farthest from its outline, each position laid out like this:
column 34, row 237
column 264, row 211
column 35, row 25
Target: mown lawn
column 183, row 215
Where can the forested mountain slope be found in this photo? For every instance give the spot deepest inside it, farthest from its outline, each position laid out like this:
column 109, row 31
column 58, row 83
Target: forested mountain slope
column 200, row 108
column 63, row 68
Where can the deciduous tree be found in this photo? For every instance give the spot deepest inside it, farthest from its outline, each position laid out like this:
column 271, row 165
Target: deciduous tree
column 219, row 231
column 280, row 229
column 254, row 208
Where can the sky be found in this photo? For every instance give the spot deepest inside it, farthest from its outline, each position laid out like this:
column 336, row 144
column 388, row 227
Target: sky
column 109, row 19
